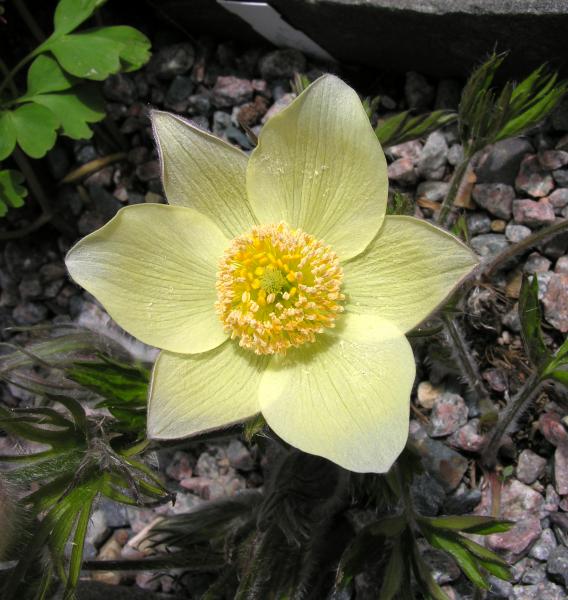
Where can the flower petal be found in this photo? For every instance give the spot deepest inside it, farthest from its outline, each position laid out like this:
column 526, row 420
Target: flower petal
column 153, row 267
column 203, row 172
column 407, row 271
column 346, row 398
column 319, row 166
column 199, row 392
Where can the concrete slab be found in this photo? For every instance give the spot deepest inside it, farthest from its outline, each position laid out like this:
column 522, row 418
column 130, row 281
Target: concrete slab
column 438, row 37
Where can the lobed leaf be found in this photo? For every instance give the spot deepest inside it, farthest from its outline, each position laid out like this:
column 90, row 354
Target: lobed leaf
column 32, row 126
column 74, row 110
column 98, row 53
column 12, row 192
column 69, row 14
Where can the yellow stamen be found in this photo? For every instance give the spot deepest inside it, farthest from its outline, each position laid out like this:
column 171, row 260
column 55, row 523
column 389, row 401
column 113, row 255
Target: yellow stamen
column 257, row 289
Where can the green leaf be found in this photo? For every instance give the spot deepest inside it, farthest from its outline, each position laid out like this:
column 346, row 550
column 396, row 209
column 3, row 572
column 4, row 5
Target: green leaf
column 468, row 524
column 530, row 317
column 97, row 53
column 424, row 576
column 35, row 128
column 253, row 426
column 74, row 110
column 45, row 76
column 135, row 50
column 69, row 14
column 560, row 376
column 481, row 552
column 392, row 578
column 7, row 134
column 12, row 192
column 123, row 384
column 467, row 563
column 532, row 101
column 368, row 546
column 405, row 126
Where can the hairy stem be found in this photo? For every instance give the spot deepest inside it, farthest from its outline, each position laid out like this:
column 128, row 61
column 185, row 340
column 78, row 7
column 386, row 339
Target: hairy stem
column 516, row 406
column 463, row 355
column 29, row 20
column 455, row 185
column 523, row 245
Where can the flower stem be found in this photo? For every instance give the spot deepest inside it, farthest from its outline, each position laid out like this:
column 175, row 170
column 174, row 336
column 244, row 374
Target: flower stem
column 455, row 185
column 523, row 245
column 463, row 355
column 515, row 407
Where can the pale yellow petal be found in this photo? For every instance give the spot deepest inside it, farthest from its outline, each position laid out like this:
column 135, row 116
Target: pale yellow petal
column 203, row 172
column 319, row 166
column 195, row 393
column 153, row 267
column 407, row 271
column 345, row 398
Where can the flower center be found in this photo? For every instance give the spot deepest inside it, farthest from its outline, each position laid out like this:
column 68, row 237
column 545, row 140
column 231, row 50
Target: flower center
column 277, row 288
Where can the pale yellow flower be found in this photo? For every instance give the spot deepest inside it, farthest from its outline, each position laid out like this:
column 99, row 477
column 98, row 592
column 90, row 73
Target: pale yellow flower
column 275, row 283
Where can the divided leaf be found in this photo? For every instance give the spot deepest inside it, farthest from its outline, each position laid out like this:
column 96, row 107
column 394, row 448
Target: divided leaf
column 74, row 110
column 32, row 126
column 405, row 126
column 98, row 53
column 45, row 76
column 69, row 14
column 12, row 192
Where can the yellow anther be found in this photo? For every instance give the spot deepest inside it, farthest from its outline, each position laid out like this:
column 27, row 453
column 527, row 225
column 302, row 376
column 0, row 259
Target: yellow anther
column 253, row 300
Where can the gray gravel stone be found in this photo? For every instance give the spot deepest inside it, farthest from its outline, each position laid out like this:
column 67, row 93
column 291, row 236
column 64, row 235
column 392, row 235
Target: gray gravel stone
column 555, row 301
column 448, row 414
column 478, row 223
column 489, row 244
column 517, row 233
column 533, row 179
column 431, row 164
column 29, row 313
column 544, row 545
column 172, row 60
column 231, row 90
column 455, row 154
column 536, row 263
column 496, row 198
column 120, row 88
column 533, row 213
column 557, row 566
column 435, row 191
column 282, row 64
column 500, row 163
column 402, row 171
column 530, row 466
column 541, row 591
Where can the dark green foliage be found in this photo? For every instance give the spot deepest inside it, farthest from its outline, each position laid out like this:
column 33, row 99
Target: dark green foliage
column 58, row 100
column 405, row 126
column 486, row 116
column 548, row 365
column 86, row 457
column 12, row 192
